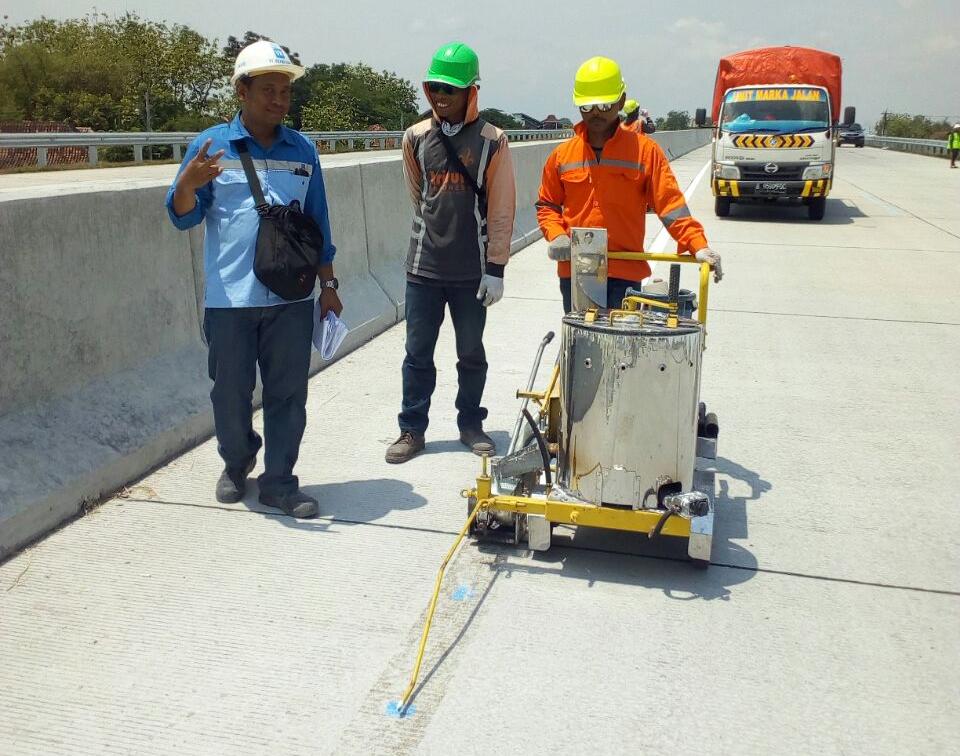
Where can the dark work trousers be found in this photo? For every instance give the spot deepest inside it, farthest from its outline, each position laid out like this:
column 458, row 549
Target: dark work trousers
column 278, row 338
column 616, row 291
column 425, row 307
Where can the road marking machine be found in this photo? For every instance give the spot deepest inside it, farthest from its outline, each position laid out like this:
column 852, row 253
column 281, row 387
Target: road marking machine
column 618, row 439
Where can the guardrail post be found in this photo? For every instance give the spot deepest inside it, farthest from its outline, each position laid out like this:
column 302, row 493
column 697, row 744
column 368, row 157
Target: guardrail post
column 138, row 153
column 92, row 154
column 41, row 156
column 177, row 154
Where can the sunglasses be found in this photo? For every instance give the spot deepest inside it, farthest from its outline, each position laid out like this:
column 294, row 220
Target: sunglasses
column 603, row 108
column 448, row 89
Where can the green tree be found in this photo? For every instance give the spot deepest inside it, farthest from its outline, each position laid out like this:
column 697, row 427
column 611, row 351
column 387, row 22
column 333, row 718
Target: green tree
column 107, row 73
column 676, row 120
column 911, row 126
column 500, row 119
column 367, row 97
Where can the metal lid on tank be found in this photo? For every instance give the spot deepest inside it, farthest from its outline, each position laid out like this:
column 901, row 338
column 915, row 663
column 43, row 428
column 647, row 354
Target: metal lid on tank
column 651, row 323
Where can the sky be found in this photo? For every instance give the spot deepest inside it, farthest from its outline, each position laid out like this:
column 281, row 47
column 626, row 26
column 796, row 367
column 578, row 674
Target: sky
column 899, row 55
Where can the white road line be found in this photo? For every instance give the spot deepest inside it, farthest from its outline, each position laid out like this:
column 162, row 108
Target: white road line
column 663, row 238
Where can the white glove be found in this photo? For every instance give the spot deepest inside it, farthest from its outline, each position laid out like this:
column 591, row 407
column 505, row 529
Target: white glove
column 490, row 291
column 559, row 248
column 707, row 255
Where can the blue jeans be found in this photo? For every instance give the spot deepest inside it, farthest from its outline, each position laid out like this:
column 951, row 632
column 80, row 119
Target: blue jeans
column 616, row 291
column 425, row 309
column 278, row 338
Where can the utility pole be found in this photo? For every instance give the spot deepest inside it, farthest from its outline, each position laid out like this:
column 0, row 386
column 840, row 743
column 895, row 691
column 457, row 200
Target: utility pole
column 149, row 119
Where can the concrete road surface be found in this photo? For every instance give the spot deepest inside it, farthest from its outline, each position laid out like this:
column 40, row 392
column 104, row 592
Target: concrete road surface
column 165, row 623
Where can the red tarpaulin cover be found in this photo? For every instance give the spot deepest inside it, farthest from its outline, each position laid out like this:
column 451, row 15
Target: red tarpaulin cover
column 779, row 65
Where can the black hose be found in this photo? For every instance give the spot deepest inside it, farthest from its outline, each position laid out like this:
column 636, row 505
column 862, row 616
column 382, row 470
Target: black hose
column 542, row 443
column 660, row 523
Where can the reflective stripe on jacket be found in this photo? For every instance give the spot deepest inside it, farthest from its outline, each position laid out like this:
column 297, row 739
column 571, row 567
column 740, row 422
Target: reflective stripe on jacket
column 577, row 190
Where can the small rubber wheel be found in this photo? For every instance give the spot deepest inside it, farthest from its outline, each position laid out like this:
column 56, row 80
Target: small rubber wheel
column 721, row 206
column 700, row 564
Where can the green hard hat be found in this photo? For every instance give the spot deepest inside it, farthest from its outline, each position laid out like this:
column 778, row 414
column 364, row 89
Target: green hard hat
column 455, row 64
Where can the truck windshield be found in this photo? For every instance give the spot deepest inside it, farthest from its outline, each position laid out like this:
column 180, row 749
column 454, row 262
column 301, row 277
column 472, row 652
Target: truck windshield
column 780, row 110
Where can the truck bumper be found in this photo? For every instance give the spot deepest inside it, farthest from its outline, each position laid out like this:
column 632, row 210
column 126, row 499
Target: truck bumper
column 771, row 189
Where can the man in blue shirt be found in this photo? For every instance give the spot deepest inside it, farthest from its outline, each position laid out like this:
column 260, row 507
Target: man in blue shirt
column 245, row 323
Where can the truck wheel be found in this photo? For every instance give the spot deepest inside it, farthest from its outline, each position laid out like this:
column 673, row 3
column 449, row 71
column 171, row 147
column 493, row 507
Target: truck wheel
column 721, row 206
column 817, row 207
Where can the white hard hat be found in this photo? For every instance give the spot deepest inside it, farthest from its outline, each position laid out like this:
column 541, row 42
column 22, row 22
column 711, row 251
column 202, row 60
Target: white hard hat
column 264, row 57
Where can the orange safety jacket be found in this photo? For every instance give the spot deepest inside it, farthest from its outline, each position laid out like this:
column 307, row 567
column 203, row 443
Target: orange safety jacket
column 577, row 190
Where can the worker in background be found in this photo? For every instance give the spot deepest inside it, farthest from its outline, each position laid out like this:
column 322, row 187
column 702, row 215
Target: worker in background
column 460, row 177
column 637, row 119
column 953, row 144
column 604, row 177
column 245, row 323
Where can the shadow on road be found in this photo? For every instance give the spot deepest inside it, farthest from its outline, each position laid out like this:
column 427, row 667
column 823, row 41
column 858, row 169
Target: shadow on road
column 839, row 212
column 364, row 501
column 597, row 555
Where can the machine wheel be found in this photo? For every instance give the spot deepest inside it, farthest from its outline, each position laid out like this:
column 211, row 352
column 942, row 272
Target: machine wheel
column 721, row 206
column 700, row 564
column 817, row 207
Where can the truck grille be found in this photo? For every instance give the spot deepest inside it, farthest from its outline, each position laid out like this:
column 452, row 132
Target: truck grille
column 787, row 172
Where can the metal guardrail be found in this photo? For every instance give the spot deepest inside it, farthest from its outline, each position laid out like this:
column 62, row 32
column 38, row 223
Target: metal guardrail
column 936, row 147
column 94, row 141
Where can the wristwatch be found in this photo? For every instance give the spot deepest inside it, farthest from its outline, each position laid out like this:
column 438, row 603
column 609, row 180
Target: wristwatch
column 331, row 283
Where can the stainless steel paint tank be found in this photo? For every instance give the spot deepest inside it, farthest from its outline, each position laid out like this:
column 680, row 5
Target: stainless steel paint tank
column 629, row 407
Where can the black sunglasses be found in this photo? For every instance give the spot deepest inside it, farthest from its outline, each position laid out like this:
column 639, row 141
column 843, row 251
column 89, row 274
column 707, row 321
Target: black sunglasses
column 447, row 89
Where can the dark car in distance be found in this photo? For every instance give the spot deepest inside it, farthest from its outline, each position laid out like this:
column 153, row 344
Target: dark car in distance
column 851, row 133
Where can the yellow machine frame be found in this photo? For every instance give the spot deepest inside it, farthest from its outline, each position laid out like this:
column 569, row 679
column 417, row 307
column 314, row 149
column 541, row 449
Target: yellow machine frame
column 558, row 512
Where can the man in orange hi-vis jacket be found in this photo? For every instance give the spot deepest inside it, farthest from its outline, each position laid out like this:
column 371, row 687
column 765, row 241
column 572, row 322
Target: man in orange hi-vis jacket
column 604, row 177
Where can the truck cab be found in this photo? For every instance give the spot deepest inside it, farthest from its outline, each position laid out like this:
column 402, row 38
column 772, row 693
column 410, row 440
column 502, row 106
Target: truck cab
column 774, row 142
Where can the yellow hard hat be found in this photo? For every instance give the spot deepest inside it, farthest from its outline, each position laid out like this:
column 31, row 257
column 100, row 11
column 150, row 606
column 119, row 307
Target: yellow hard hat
column 598, row 82
column 630, row 105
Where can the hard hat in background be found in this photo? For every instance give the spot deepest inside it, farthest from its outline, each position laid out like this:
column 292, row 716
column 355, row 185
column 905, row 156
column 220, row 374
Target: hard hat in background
column 455, row 64
column 598, row 82
column 630, row 105
column 264, row 57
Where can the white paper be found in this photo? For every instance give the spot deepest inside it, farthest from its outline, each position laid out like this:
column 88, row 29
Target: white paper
column 328, row 332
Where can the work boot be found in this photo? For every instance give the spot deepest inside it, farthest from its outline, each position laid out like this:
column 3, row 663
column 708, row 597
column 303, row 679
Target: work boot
column 233, row 482
column 405, row 448
column 477, row 441
column 295, row 504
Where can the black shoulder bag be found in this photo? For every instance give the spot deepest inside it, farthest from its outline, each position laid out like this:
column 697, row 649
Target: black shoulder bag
column 289, row 243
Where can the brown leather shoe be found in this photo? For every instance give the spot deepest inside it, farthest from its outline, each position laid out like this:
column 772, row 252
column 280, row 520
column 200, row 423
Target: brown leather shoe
column 477, row 441
column 405, row 448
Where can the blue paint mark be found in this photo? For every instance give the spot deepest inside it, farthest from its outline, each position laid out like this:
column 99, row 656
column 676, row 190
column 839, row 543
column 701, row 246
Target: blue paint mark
column 393, row 710
column 462, row 592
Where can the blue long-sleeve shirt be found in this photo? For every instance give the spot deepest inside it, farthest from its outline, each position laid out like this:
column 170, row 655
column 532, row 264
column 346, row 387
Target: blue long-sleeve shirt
column 289, row 170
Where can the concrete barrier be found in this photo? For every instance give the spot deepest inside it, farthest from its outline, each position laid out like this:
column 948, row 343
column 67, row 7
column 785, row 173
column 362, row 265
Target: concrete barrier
column 102, row 362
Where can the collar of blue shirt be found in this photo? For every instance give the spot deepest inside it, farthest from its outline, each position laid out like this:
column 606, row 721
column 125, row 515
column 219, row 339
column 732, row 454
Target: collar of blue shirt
column 239, row 131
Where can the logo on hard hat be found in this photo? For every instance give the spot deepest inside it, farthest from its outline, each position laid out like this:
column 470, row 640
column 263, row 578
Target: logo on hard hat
column 281, row 55
column 771, row 168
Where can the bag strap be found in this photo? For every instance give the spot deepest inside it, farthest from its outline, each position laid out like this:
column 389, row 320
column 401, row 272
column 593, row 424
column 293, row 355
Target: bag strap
column 252, row 179
column 455, row 159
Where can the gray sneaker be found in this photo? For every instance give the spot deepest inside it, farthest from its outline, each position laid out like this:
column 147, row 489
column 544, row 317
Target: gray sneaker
column 405, row 448
column 477, row 441
column 233, row 482
column 296, row 504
